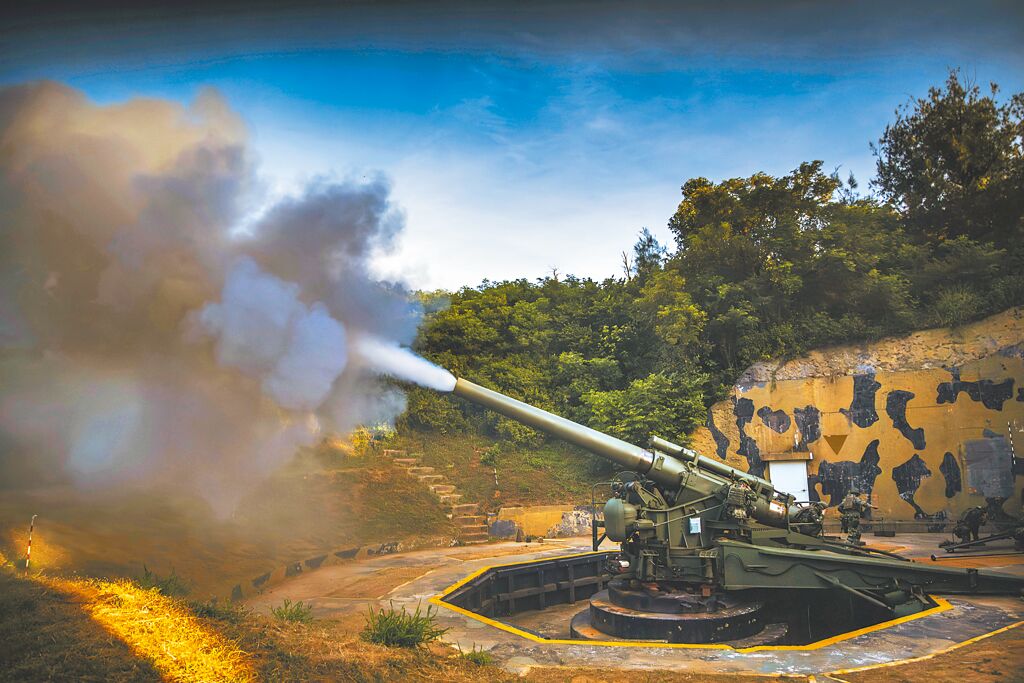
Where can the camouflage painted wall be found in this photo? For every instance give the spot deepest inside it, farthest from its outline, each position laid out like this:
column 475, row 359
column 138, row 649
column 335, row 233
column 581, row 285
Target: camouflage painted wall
column 924, row 424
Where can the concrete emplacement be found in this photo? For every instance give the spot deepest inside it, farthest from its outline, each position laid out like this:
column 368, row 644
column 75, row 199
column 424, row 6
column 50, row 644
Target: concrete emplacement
column 541, row 637
column 558, row 585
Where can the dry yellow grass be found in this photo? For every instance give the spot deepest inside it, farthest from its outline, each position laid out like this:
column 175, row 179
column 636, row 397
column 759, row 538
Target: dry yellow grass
column 88, row 630
column 158, row 629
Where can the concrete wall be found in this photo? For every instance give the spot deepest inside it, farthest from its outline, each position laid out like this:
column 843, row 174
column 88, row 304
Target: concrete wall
column 547, row 521
column 922, row 423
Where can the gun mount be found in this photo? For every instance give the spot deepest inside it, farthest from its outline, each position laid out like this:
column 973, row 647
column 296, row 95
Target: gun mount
column 710, row 553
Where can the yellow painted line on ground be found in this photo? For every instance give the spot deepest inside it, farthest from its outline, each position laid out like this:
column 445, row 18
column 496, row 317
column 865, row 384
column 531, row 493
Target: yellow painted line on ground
column 941, row 605
column 439, row 600
column 751, row 674
column 956, row 646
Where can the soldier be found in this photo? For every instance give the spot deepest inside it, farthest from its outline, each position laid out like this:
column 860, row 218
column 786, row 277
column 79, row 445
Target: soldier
column 852, row 509
column 973, row 518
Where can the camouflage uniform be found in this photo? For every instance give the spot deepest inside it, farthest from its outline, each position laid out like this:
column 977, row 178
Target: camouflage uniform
column 851, row 510
column 973, row 519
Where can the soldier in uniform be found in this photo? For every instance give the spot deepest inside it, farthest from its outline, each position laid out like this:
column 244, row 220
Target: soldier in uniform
column 852, row 509
column 971, row 522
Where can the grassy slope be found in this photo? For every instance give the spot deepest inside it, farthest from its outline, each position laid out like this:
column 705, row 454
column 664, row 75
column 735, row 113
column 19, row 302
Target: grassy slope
column 49, row 631
column 54, row 628
column 322, row 501
column 553, row 473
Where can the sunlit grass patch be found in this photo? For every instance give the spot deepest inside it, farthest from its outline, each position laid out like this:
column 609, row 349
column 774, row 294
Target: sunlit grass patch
column 159, row 629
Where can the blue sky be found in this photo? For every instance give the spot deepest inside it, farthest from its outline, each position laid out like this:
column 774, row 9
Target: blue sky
column 518, row 142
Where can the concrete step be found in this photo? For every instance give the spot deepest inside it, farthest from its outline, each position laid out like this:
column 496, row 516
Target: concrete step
column 470, row 519
column 439, row 489
column 428, row 479
column 469, row 524
column 474, row 537
column 420, row 470
column 407, row 462
column 472, row 530
column 394, row 453
column 465, row 509
column 450, row 498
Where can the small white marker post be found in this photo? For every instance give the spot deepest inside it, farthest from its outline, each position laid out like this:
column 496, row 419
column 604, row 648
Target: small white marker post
column 28, row 551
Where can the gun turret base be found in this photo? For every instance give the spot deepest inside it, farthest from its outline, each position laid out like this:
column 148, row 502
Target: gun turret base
column 670, row 616
column 739, row 622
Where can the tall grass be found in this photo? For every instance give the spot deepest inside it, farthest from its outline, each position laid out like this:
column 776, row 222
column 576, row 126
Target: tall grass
column 398, row 628
column 293, row 611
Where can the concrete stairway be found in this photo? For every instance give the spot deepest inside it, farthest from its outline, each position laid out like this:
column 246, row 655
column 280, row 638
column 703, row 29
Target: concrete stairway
column 472, row 527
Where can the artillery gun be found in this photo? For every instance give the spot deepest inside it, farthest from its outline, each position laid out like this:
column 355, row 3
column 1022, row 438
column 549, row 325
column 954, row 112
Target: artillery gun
column 712, row 554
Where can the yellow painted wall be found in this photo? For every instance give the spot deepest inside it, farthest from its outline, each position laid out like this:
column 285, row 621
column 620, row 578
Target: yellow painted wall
column 535, row 520
column 991, row 349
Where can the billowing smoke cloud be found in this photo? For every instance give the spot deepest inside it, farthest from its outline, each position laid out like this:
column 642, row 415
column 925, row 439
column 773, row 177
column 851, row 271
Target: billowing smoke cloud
column 143, row 335
column 264, row 329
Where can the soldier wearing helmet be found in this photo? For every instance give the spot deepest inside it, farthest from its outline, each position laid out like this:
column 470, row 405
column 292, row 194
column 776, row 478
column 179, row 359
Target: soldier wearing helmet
column 851, row 510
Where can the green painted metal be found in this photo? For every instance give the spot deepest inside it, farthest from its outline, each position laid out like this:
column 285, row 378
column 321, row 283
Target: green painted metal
column 686, row 520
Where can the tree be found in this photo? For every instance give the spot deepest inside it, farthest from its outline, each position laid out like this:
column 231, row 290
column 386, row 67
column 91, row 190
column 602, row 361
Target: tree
column 766, row 267
column 648, row 255
column 953, row 163
column 667, row 405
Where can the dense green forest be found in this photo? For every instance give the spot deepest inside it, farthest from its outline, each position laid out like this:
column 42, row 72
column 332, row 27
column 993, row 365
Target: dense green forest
column 762, row 267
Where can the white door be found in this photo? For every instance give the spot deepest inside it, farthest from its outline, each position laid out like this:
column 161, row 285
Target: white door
column 789, row 476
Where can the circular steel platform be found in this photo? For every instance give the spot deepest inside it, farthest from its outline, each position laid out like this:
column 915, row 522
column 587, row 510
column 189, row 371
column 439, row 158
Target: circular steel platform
column 737, row 620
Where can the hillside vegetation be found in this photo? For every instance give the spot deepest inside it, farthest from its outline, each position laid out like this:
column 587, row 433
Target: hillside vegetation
column 762, row 267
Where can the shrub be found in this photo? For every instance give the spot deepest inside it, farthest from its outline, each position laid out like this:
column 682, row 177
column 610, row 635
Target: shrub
column 518, row 434
column 398, row 628
column 956, row 305
column 489, row 458
column 361, row 439
column 429, row 410
column 668, row 405
column 173, row 586
column 297, row 612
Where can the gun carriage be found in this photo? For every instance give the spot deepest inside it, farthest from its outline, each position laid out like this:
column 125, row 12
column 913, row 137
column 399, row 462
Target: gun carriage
column 711, row 554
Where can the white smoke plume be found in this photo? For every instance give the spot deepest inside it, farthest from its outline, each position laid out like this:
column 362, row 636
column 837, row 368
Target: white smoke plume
column 143, row 337
column 395, row 361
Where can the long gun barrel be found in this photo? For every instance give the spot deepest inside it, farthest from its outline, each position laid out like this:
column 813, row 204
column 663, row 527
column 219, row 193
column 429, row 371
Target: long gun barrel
column 664, row 469
column 618, row 451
